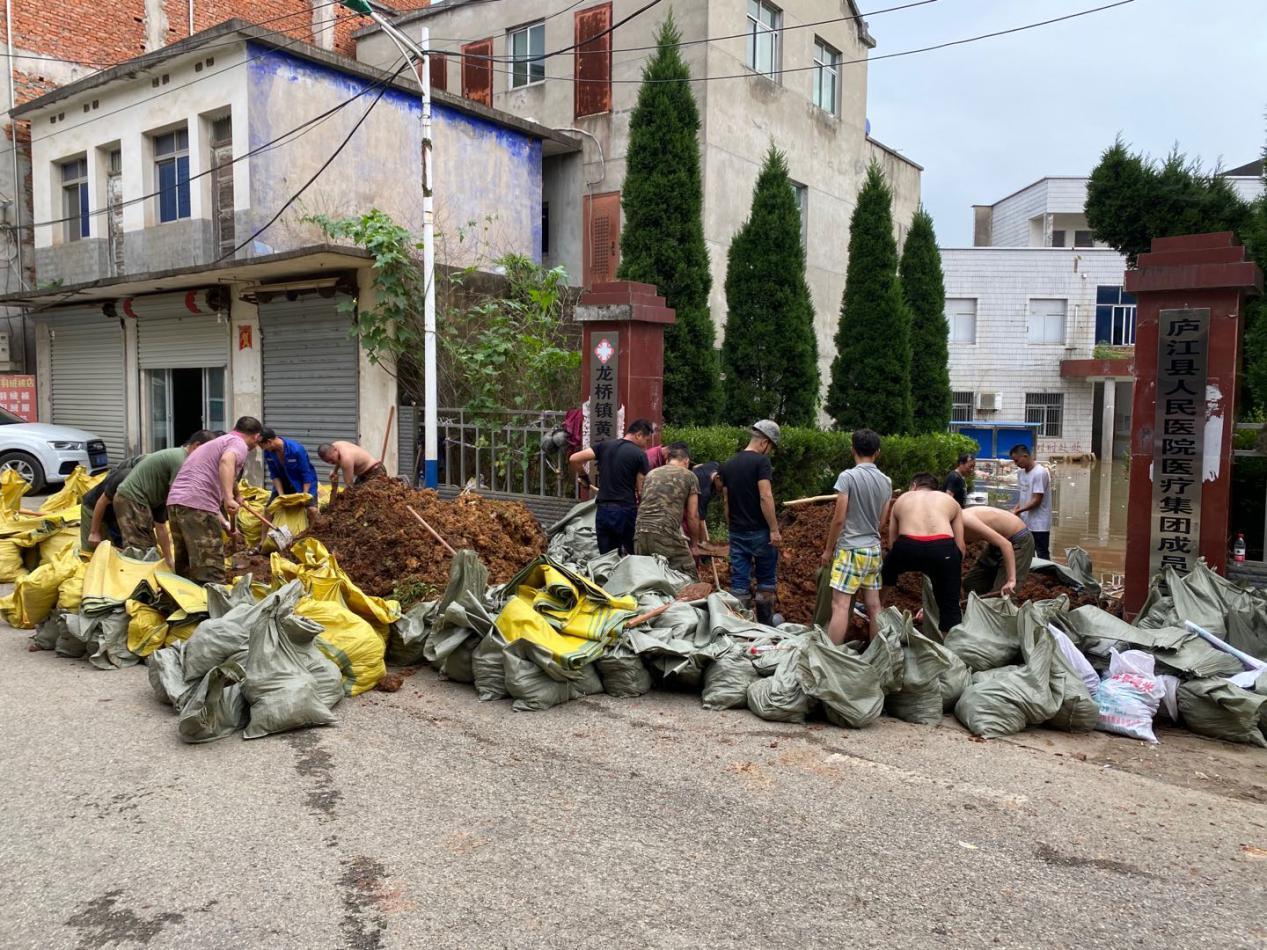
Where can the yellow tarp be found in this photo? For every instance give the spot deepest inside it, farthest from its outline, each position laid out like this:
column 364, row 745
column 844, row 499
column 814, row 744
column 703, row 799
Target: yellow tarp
column 189, row 596
column 71, row 593
column 76, row 486
column 567, row 614
column 349, row 641
column 12, row 487
column 251, row 527
column 35, row 595
column 322, row 578
column 288, row 511
column 11, row 564
column 147, row 628
column 59, row 542
column 179, row 632
column 112, row 577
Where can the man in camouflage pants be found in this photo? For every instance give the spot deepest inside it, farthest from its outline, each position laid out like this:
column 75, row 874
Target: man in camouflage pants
column 203, row 493
column 670, row 500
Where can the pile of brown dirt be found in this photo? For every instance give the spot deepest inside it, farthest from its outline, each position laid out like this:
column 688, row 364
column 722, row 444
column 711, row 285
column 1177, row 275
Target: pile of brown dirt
column 383, row 548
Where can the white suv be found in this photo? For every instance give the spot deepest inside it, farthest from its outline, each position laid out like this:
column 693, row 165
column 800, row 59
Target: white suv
column 45, row 454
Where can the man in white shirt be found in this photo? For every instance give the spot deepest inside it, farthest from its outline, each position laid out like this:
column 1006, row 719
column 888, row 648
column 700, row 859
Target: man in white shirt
column 1034, row 482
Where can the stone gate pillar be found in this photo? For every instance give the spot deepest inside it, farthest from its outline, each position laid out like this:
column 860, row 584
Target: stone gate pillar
column 622, row 357
column 1190, row 292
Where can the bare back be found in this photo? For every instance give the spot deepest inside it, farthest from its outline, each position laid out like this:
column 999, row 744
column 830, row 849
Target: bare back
column 361, row 460
column 925, row 513
column 996, row 519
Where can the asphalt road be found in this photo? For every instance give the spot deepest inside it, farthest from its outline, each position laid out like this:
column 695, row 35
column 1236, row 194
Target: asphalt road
column 428, row 819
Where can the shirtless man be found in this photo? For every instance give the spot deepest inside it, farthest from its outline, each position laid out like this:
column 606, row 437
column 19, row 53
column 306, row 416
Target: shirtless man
column 355, row 464
column 1005, row 563
column 926, row 535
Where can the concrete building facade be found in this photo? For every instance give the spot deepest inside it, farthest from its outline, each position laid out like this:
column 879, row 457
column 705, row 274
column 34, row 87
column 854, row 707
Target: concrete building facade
column 163, row 309
column 793, row 75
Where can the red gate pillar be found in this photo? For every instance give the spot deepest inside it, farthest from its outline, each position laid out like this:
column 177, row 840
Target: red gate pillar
column 622, row 364
column 1190, row 291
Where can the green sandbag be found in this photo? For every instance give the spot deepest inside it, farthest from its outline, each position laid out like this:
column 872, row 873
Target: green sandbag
column 328, row 676
column 215, row 640
column 1078, row 711
column 462, row 619
column 623, row 672
column 167, row 675
column 217, row 707
column 47, row 631
column 109, row 631
column 639, row 574
column 1236, row 614
column 282, row 692
column 849, row 686
column 222, row 599
column 68, row 640
column 726, row 680
column 1222, row 710
column 489, row 669
column 407, row 637
column 536, row 681
column 1004, row 702
column 1177, row 650
column 884, row 652
column 780, row 698
column 987, row 636
column 822, row 602
column 930, row 626
column 920, row 698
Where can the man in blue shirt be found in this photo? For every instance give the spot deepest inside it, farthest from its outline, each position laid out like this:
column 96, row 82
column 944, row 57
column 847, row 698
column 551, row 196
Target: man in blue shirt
column 289, row 467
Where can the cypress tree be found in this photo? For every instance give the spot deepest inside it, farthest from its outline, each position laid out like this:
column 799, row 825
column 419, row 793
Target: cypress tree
column 925, row 294
column 770, row 353
column 662, row 241
column 870, row 375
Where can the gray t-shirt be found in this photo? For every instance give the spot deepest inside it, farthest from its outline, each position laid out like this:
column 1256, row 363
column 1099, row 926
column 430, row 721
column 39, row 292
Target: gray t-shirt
column 1037, row 481
column 869, row 490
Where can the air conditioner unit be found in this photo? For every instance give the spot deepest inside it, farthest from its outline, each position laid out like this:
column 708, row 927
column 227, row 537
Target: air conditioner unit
column 989, row 402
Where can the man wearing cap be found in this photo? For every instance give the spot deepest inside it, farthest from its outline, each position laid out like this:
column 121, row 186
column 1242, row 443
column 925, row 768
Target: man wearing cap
column 748, row 498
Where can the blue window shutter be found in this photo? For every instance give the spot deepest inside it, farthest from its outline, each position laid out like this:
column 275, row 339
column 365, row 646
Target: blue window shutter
column 1103, row 322
column 182, row 185
column 167, row 191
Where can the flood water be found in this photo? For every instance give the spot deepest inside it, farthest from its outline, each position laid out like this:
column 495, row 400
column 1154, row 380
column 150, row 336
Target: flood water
column 1088, row 509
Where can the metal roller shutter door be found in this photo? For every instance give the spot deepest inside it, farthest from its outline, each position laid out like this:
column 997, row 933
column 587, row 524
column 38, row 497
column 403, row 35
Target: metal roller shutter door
column 86, row 361
column 310, row 372
column 180, row 331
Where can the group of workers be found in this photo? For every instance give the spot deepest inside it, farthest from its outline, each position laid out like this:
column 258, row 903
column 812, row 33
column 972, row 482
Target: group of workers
column 653, row 501
column 187, row 498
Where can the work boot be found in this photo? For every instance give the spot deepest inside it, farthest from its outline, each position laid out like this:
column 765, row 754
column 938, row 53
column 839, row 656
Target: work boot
column 763, row 604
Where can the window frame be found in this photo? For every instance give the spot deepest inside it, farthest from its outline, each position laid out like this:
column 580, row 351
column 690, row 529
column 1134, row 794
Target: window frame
column 1051, row 406
column 950, row 321
column 179, row 191
column 529, row 63
column 1089, row 239
column 957, row 405
column 1029, row 322
column 760, row 31
column 801, row 193
column 75, row 189
column 821, row 46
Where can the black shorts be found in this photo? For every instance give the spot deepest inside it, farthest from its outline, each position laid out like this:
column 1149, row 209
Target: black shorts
column 940, row 561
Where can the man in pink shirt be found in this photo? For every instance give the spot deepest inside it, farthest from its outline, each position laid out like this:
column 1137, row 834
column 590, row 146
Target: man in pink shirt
column 203, row 493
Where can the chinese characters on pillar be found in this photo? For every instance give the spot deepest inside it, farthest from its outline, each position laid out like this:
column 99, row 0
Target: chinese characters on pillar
column 17, row 394
column 1182, row 345
column 604, row 395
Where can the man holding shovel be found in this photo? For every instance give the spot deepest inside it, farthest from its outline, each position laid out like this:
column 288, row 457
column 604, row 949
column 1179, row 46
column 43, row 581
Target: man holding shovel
column 204, row 499
column 289, row 467
column 140, row 503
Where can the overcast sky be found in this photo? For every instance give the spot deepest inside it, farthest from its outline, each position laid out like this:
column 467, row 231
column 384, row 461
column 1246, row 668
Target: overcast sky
column 987, row 118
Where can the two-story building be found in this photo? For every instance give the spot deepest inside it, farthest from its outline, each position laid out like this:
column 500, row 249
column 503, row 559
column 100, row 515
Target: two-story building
column 792, row 74
column 181, row 280
column 1040, row 327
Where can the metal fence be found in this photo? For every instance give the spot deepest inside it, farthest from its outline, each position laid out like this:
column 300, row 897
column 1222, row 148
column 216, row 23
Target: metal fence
column 511, row 451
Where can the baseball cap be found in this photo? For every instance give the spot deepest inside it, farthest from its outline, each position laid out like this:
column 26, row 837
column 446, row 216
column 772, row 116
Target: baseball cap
column 767, row 428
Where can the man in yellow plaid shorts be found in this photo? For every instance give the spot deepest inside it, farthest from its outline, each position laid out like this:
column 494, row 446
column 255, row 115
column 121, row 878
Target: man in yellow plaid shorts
column 853, row 540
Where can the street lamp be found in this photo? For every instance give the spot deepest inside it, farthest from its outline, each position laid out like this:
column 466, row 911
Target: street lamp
column 419, row 57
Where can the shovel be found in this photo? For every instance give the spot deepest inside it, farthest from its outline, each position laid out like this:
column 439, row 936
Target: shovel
column 282, row 537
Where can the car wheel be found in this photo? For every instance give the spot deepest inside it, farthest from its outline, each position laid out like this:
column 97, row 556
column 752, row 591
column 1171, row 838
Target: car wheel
column 26, row 466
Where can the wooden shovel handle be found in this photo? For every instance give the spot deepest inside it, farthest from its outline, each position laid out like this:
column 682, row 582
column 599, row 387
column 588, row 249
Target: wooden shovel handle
column 260, row 515
column 435, row 534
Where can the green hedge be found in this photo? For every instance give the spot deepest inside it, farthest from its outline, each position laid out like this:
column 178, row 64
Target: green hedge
column 808, row 460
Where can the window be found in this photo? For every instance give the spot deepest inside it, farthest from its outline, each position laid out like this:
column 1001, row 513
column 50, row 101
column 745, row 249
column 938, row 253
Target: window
column 439, row 72
column 593, row 69
column 1057, row 238
column 826, row 77
column 75, row 198
column 1114, row 316
column 961, row 406
column 477, row 71
column 802, row 205
column 1046, row 321
column 763, row 37
column 1083, row 239
column 961, row 314
column 1048, row 410
column 527, row 47
column 171, row 169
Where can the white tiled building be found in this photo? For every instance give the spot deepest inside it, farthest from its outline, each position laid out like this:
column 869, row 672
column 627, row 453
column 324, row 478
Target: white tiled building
column 1029, row 305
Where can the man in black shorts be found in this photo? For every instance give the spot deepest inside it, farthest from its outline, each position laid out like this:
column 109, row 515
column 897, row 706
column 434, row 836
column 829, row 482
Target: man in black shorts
column 622, row 465
column 926, row 535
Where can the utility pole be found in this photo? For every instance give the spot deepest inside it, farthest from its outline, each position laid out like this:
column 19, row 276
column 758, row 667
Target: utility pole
column 418, row 55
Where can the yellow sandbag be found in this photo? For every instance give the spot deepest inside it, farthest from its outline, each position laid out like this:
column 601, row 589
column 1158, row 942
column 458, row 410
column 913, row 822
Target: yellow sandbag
column 250, row 526
column 12, row 487
column 321, row 575
column 73, row 490
column 288, row 511
column 189, row 596
column 71, row 593
column 11, row 566
column 35, row 595
column 323, row 494
column 58, row 543
column 179, row 632
column 113, row 577
column 350, row 642
column 147, row 628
